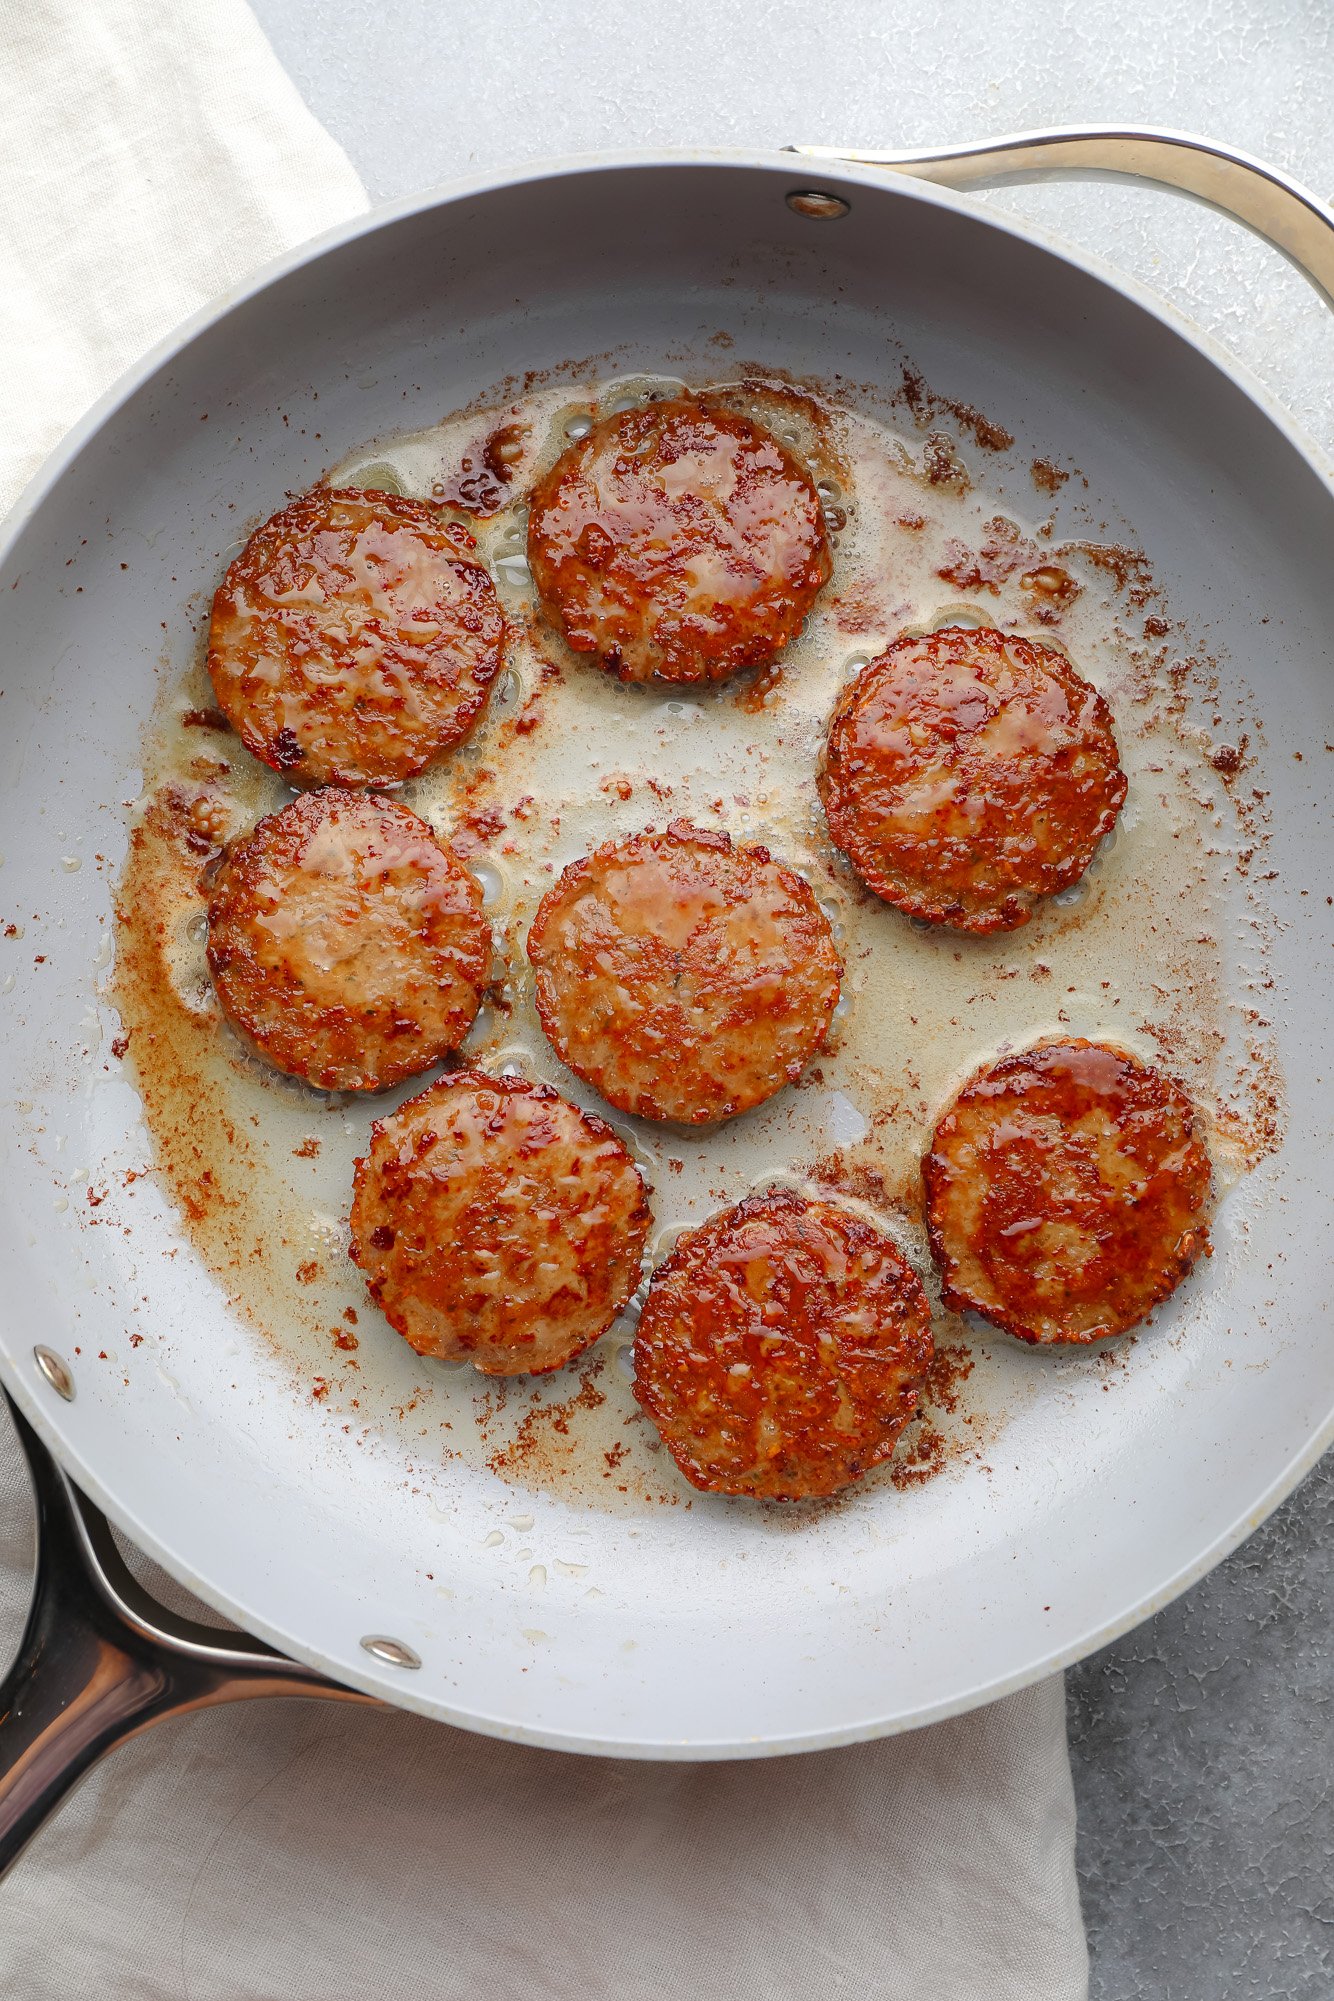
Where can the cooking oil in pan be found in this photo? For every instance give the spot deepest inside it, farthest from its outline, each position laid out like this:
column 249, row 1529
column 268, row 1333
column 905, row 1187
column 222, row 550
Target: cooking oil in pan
column 565, row 758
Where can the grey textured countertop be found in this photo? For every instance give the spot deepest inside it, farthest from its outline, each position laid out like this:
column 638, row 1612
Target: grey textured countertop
column 1201, row 1742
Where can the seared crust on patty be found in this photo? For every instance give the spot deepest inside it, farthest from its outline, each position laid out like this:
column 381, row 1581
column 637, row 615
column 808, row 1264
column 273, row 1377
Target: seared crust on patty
column 683, row 977
column 498, row 1224
column 677, row 541
column 968, row 774
column 1066, row 1192
column 781, row 1348
column 350, row 641
column 346, row 943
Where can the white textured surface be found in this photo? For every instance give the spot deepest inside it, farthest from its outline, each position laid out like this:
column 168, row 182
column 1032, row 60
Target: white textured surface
column 198, row 160
column 1200, row 1743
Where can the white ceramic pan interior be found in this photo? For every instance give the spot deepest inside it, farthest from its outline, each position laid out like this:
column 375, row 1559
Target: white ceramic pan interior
column 543, row 1602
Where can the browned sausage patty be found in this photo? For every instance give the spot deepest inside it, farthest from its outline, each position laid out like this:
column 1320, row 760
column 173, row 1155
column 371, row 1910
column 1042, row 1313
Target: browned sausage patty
column 681, row 976
column 346, row 943
column 350, row 641
column 1066, row 1192
column 677, row 540
column 781, row 1348
column 498, row 1224
column 968, row 774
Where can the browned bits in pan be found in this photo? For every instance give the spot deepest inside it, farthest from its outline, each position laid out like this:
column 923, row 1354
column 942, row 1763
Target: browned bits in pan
column 346, row 943
column 498, row 1224
column 684, row 977
column 781, row 1349
column 350, row 641
column 970, row 773
column 1066, row 1192
column 482, row 482
column 677, row 541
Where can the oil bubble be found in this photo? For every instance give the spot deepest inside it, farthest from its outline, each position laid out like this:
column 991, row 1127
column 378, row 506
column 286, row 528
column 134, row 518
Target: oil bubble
column 378, row 477
column 490, row 878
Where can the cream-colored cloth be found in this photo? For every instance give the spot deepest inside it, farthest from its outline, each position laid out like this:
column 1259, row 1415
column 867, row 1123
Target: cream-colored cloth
column 152, row 151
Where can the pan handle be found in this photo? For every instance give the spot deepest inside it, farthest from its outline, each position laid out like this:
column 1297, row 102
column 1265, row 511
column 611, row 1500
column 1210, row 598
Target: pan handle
column 101, row 1660
column 1270, row 202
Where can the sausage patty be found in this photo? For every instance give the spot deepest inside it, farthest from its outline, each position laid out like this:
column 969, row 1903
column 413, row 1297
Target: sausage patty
column 968, row 774
column 346, row 943
column 350, row 641
column 683, row 977
column 497, row 1224
column 1066, row 1192
column 677, row 540
column 781, row 1348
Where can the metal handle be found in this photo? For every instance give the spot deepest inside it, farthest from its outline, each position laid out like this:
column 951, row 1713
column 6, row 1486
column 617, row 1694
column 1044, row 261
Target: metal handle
column 101, row 1660
column 1269, row 202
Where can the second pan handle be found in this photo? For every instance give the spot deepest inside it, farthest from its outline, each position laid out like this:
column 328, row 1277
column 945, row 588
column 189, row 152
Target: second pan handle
column 1268, row 201
column 100, row 1660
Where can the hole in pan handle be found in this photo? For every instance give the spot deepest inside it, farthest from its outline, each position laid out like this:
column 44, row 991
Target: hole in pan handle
column 101, row 1660
column 1267, row 200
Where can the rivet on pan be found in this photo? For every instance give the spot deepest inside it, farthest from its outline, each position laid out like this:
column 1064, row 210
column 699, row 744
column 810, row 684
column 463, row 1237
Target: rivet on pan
column 55, row 1371
column 819, row 207
column 392, row 1652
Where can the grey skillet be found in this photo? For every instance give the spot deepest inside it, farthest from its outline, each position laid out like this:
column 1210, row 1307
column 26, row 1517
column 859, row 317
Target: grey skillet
column 724, row 1634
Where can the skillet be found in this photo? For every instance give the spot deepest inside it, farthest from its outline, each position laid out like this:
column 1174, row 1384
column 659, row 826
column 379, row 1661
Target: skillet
column 722, row 1632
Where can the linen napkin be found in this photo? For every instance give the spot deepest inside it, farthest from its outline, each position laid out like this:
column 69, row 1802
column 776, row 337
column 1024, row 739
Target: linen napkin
column 152, row 152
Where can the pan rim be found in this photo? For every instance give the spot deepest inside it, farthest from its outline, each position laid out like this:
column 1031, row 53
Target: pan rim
column 60, row 462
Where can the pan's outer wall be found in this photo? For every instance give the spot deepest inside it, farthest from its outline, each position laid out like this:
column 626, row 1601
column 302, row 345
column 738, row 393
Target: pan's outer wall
column 735, row 1637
